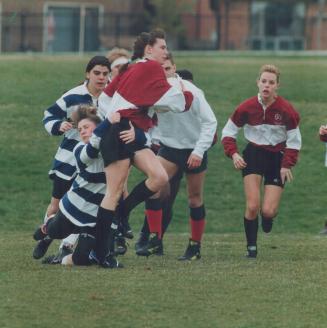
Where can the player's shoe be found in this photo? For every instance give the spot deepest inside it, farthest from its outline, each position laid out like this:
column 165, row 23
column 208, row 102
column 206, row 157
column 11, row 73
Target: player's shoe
column 110, row 261
column 266, row 224
column 120, row 245
column 42, row 247
column 56, row 259
column 40, row 233
column 142, row 241
column 251, row 252
column 192, row 251
column 153, row 246
column 126, row 230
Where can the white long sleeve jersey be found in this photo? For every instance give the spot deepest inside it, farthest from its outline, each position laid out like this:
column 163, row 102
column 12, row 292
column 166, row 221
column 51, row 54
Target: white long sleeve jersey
column 194, row 129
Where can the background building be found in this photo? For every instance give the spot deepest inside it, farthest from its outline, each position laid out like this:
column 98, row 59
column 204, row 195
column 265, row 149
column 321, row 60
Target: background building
column 93, row 25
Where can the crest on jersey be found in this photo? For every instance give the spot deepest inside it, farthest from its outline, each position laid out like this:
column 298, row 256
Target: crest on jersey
column 278, row 117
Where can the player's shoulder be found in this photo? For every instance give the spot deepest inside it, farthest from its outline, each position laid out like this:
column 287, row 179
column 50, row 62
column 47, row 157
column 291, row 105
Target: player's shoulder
column 249, row 102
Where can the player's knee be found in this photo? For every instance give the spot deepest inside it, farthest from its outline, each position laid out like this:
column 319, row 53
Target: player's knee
column 252, row 209
column 268, row 212
column 160, row 179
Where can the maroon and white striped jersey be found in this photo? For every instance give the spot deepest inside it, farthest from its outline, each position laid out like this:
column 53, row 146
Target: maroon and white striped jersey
column 142, row 86
column 275, row 128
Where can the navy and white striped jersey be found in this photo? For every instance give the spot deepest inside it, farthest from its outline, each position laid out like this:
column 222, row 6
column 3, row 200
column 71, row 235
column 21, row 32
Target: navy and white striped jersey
column 80, row 204
column 64, row 165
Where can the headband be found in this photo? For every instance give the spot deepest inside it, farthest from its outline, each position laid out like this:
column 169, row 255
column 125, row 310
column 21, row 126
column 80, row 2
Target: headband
column 119, row 61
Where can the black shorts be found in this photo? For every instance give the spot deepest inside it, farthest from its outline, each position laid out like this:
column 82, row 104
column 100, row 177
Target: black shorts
column 85, row 244
column 180, row 157
column 113, row 148
column 60, row 227
column 263, row 162
column 60, row 186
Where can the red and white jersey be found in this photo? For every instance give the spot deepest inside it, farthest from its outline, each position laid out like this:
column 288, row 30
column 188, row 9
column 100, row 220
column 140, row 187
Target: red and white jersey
column 141, row 86
column 323, row 137
column 275, row 128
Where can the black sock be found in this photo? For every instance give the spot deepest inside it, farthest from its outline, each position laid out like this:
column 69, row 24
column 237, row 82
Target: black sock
column 139, row 194
column 145, row 228
column 251, row 231
column 104, row 233
column 122, row 218
column 266, row 224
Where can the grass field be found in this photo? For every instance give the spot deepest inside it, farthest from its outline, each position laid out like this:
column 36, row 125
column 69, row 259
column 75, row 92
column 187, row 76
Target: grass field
column 284, row 287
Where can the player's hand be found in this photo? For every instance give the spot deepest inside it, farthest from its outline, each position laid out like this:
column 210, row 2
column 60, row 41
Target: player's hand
column 128, row 135
column 286, row 175
column 323, row 130
column 65, row 126
column 194, row 161
column 238, row 161
column 114, row 118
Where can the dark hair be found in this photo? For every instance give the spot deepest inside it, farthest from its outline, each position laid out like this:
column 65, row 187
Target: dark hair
column 97, row 60
column 86, row 112
column 144, row 39
column 185, row 74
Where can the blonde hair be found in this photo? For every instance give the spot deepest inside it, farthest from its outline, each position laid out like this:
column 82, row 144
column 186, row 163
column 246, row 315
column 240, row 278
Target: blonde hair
column 270, row 69
column 116, row 52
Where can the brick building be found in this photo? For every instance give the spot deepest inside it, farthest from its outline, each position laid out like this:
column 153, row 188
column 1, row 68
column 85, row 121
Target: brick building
column 92, row 25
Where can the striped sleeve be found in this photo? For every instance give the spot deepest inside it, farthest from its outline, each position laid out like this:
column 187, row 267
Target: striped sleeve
column 53, row 117
column 85, row 154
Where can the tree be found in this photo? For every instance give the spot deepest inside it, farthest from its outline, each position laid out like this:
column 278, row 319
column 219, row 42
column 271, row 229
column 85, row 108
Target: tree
column 166, row 14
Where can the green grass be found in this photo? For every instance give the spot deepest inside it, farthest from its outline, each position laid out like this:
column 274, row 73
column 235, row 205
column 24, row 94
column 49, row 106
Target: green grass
column 283, row 288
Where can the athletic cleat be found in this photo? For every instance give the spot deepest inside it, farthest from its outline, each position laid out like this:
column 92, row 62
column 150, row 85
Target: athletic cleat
column 40, row 233
column 142, row 241
column 109, row 263
column 56, row 259
column 126, row 230
column 42, row 247
column 153, row 246
column 120, row 246
column 251, row 252
column 192, row 252
column 51, row 259
column 266, row 225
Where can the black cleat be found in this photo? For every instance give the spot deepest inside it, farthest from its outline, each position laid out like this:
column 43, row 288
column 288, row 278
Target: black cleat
column 266, row 224
column 56, row 259
column 40, row 233
column 153, row 246
column 109, row 263
column 126, row 230
column 192, row 252
column 120, row 245
column 251, row 252
column 42, row 247
column 142, row 241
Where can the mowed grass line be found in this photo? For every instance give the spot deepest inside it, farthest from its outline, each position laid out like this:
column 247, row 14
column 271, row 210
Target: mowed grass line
column 284, row 287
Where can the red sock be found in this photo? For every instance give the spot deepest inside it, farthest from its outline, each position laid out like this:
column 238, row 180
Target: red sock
column 154, row 218
column 197, row 229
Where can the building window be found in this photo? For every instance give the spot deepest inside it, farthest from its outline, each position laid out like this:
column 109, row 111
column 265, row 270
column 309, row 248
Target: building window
column 277, row 25
column 71, row 27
